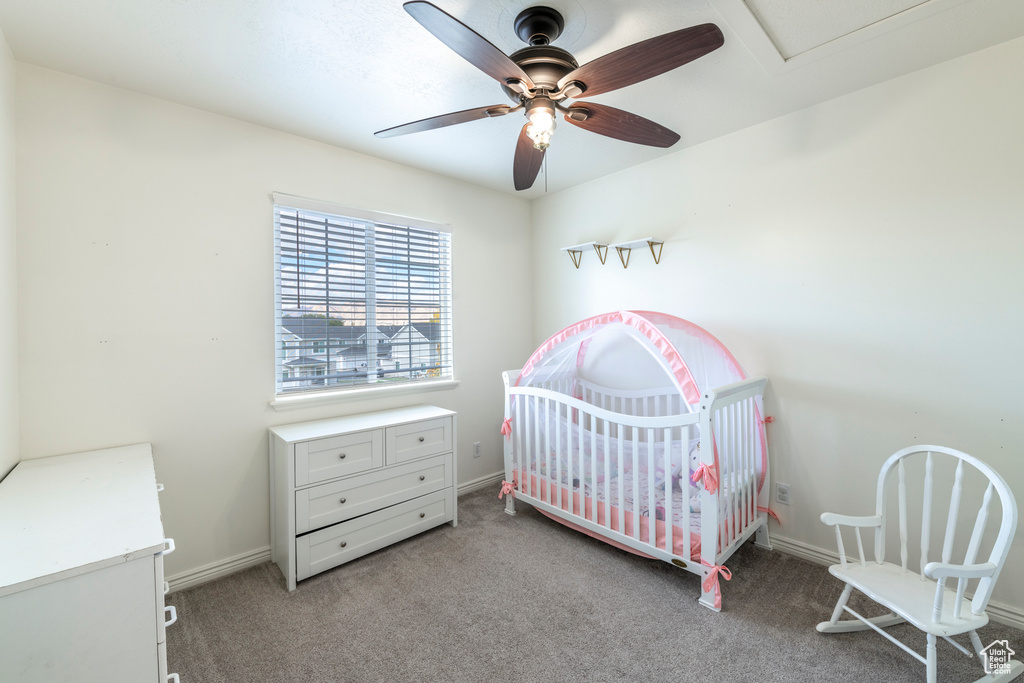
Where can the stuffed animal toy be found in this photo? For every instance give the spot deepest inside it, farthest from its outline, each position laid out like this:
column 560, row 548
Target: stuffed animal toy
column 694, row 488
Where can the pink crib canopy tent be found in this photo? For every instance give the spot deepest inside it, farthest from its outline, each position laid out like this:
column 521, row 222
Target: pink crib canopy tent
column 635, row 350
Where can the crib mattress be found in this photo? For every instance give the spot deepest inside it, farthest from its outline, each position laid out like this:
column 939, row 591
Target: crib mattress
column 582, row 501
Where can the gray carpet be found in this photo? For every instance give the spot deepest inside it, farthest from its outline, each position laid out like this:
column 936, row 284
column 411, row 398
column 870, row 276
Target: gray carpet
column 522, row 598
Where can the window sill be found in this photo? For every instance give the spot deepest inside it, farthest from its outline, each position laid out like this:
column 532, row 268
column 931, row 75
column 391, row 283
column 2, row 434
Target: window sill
column 362, row 393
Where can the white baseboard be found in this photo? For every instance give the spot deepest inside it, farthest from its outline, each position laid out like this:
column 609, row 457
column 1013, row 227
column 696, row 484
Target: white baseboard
column 482, row 482
column 997, row 612
column 219, row 569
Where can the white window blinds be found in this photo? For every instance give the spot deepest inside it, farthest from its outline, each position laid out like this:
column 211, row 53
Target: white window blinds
column 361, row 299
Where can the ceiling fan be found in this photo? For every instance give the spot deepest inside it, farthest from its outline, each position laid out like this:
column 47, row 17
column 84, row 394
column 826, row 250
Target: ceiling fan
column 541, row 78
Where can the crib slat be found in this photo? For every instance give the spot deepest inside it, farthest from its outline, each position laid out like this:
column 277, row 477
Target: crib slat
column 558, row 454
column 753, row 427
column 954, row 512
column 733, row 499
column 652, row 506
column 636, row 482
column 669, row 494
column 720, row 437
column 547, row 449
column 518, row 447
column 926, row 513
column 568, row 457
column 593, row 469
column 903, row 514
column 607, row 475
column 620, row 501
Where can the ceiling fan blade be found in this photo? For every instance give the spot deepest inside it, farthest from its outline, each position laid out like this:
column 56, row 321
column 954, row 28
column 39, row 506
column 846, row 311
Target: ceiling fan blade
column 646, row 59
column 527, row 162
column 621, row 125
column 444, row 120
column 466, row 42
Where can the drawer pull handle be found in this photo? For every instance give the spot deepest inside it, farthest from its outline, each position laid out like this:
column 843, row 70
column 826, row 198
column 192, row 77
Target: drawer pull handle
column 174, row 615
column 422, row 439
column 422, row 515
column 422, row 477
column 344, row 543
column 342, row 501
column 342, row 456
column 168, row 546
column 173, row 676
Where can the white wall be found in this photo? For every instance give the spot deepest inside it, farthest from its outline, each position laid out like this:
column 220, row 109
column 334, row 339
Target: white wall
column 8, row 269
column 146, row 273
column 864, row 254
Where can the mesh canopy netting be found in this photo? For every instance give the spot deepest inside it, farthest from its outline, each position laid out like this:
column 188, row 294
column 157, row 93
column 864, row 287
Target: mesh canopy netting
column 634, row 350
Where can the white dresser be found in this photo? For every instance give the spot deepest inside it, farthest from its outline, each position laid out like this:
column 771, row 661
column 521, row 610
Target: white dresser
column 345, row 487
column 82, row 571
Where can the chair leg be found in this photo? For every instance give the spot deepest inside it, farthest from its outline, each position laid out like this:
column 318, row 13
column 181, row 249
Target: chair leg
column 930, row 663
column 834, row 625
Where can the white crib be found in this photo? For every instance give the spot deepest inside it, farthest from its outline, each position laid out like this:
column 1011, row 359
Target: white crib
column 590, row 456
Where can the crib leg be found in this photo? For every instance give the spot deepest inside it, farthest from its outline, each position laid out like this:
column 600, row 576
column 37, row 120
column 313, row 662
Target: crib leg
column 707, row 598
column 510, row 506
column 761, row 539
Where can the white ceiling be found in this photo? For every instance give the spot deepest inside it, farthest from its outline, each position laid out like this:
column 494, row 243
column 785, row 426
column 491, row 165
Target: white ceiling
column 338, row 70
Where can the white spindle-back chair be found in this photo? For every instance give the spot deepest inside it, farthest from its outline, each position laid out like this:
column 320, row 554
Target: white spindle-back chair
column 921, row 596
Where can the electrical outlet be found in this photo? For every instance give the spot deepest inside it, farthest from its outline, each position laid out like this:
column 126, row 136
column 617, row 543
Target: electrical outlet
column 476, row 449
column 782, row 494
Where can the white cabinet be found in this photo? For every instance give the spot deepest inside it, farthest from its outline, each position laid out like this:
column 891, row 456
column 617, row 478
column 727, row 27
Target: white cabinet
column 344, row 487
column 81, row 570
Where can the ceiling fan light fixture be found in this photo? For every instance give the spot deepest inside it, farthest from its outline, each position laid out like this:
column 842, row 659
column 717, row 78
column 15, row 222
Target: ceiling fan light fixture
column 541, row 113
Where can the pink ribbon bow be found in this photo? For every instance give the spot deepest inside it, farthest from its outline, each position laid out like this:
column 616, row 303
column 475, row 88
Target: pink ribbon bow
column 711, row 581
column 768, row 420
column 506, row 488
column 708, row 474
column 506, row 428
column 769, row 512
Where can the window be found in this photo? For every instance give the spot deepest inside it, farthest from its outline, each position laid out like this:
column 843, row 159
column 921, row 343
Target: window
column 361, row 298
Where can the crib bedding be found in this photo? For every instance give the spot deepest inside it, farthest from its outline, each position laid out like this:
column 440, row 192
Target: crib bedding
column 590, row 466
column 546, row 489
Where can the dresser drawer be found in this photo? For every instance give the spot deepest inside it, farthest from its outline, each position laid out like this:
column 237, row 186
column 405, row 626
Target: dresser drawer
column 417, row 439
column 319, row 506
column 346, row 541
column 337, row 456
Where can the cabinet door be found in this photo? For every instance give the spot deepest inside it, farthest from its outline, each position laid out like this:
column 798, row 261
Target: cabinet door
column 343, row 542
column 418, row 439
column 95, row 627
column 336, row 501
column 338, row 456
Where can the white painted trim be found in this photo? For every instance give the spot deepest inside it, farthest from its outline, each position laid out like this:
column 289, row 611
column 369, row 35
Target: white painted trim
column 482, row 483
column 310, row 400
column 321, row 206
column 219, row 569
column 752, row 34
column 997, row 612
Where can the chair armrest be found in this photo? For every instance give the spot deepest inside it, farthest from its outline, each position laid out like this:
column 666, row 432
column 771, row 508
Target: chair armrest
column 938, row 570
column 832, row 519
